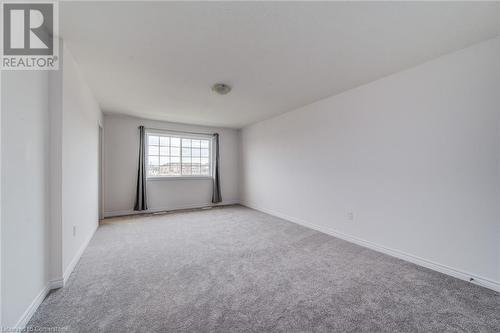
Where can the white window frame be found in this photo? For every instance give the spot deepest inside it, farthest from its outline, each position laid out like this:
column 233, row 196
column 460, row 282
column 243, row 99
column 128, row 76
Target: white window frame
column 181, row 135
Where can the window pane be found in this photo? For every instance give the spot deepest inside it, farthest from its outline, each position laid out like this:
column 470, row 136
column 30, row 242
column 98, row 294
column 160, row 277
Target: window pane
column 164, row 140
column 175, row 142
column 175, row 169
column 175, row 151
column 205, row 170
column 168, row 170
column 153, row 170
column 153, row 140
column 186, row 169
column 165, row 154
column 153, row 150
column 153, row 160
column 164, row 160
column 164, row 170
column 195, row 169
column 164, row 151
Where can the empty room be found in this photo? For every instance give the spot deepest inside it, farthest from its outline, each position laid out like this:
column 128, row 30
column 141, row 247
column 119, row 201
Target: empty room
column 250, row 166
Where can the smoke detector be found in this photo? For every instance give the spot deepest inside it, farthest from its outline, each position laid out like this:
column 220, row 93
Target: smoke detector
column 221, row 88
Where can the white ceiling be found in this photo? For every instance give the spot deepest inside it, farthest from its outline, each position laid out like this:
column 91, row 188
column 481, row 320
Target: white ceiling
column 159, row 59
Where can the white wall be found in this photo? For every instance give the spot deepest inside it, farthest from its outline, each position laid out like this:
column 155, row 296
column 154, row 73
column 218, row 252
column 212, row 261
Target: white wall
column 1, row 255
column 81, row 118
column 121, row 140
column 415, row 156
column 49, row 182
column 25, row 188
column 55, row 173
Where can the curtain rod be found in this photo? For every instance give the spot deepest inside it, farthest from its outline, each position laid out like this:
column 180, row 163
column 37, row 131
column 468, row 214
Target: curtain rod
column 186, row 132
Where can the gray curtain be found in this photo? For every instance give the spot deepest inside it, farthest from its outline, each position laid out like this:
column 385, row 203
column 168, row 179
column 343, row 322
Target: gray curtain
column 216, row 195
column 141, row 200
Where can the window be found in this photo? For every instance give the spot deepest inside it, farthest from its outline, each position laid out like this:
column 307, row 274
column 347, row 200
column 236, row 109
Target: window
column 177, row 155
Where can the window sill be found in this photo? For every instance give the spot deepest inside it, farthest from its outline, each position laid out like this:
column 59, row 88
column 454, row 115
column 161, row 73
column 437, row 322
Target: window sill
column 178, row 178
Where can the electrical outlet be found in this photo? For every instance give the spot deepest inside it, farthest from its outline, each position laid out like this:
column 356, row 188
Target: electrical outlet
column 350, row 216
column 74, row 230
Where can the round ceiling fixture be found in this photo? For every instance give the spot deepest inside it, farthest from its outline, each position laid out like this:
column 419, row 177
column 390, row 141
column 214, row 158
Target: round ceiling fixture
column 221, row 88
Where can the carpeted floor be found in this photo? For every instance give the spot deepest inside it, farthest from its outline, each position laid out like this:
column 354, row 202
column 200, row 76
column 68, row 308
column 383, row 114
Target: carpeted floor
column 238, row 270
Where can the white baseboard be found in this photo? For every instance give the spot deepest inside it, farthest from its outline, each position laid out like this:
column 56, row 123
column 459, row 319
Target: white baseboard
column 117, row 213
column 30, row 311
column 52, row 284
column 466, row 276
column 56, row 283
column 76, row 258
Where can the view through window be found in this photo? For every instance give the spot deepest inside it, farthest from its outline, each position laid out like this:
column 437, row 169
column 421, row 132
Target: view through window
column 171, row 156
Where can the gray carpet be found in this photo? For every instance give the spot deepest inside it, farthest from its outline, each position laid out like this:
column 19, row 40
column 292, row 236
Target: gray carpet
column 238, row 270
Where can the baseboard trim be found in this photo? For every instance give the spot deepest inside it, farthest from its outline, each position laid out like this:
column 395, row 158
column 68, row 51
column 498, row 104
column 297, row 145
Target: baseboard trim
column 459, row 274
column 52, row 284
column 76, row 258
column 117, row 213
column 56, row 284
column 30, row 311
